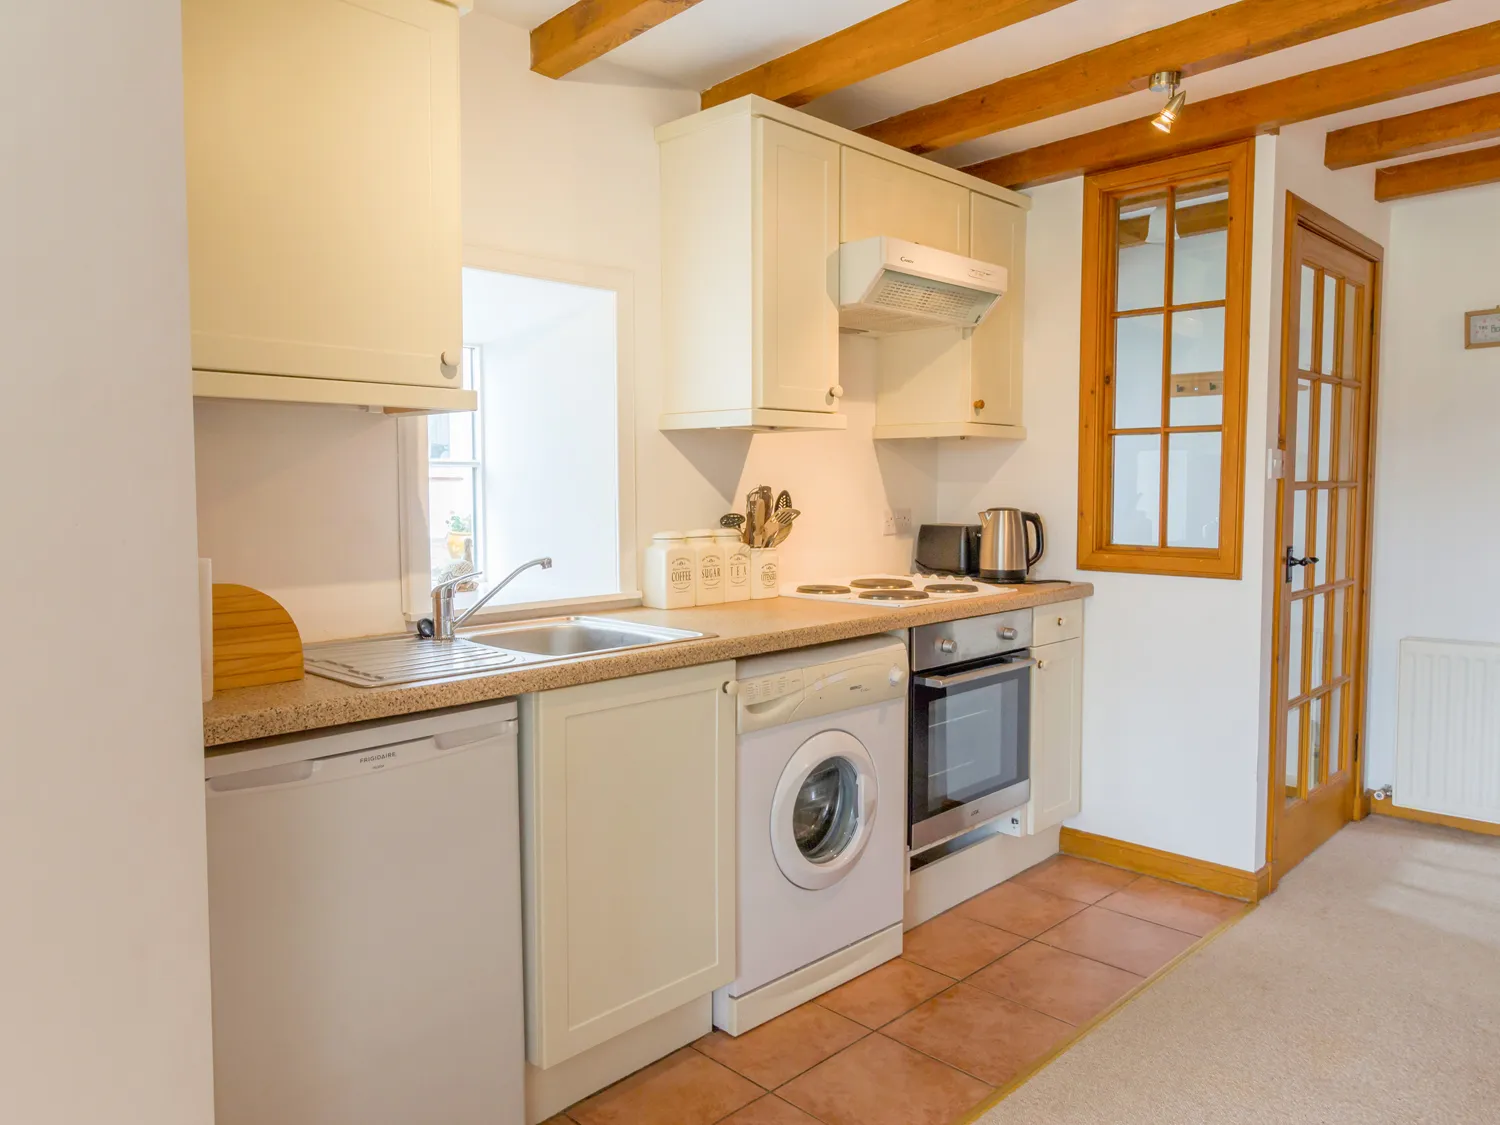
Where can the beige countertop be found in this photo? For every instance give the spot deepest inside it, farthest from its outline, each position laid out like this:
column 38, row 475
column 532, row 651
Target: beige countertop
column 740, row 629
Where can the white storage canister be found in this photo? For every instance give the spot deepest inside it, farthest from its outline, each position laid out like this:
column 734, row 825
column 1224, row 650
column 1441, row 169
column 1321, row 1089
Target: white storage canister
column 709, row 564
column 670, row 580
column 736, row 565
column 765, row 577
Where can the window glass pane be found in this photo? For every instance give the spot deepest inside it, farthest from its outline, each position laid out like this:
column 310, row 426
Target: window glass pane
column 1352, row 318
column 1320, row 545
column 1138, row 371
column 1325, row 429
column 452, row 497
column 1305, row 323
column 1318, row 610
column 1140, row 282
column 1197, row 391
column 1304, row 428
column 1293, row 753
column 1293, row 647
column 1137, row 490
column 1193, row 490
column 1200, row 254
column 1330, row 322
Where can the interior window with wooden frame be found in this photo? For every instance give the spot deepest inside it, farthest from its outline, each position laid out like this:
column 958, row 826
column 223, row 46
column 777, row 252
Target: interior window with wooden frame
column 1165, row 347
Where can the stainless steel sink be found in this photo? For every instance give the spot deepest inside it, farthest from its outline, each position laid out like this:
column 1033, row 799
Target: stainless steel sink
column 382, row 661
column 577, row 636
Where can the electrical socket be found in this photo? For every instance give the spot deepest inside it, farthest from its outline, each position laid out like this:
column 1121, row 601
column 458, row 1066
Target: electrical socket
column 897, row 521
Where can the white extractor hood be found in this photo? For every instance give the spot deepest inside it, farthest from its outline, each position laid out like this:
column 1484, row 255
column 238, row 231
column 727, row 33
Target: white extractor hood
column 887, row 285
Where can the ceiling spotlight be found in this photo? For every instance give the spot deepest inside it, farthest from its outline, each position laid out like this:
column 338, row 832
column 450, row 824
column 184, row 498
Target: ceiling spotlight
column 1168, row 82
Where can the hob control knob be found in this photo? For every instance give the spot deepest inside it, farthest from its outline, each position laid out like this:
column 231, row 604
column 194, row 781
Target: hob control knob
column 1007, row 633
column 947, row 646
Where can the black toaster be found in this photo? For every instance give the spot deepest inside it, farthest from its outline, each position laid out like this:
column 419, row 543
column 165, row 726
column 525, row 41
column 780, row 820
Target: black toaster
column 947, row 548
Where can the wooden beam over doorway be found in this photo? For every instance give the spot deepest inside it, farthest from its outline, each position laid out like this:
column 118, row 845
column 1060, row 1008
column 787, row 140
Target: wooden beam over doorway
column 1440, row 173
column 1477, row 119
column 592, row 28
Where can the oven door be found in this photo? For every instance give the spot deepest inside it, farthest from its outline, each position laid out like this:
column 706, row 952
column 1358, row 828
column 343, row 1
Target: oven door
column 970, row 748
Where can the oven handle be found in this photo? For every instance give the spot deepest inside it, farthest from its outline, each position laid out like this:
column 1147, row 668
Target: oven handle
column 975, row 675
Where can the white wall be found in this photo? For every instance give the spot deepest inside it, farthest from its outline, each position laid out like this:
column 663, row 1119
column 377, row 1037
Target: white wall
column 289, row 502
column 104, row 996
column 1437, row 510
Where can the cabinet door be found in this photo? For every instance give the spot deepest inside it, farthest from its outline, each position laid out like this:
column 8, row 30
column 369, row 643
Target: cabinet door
column 893, row 200
column 628, row 803
column 1056, row 734
column 796, row 281
column 999, row 236
column 323, row 195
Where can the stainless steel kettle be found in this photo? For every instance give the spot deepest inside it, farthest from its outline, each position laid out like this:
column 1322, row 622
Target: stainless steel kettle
column 1004, row 554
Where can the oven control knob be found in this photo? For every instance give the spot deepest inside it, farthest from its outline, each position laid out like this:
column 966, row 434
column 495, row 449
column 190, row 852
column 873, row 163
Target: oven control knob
column 947, row 646
column 1007, row 633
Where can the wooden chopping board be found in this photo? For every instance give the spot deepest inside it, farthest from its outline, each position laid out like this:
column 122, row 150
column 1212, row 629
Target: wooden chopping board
column 255, row 639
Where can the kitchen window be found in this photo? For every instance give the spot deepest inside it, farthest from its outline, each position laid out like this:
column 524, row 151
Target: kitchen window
column 545, row 465
column 1164, row 355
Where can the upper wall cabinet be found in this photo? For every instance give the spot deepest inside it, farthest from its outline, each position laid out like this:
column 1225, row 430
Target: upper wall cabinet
column 325, row 245
column 881, row 198
column 756, row 199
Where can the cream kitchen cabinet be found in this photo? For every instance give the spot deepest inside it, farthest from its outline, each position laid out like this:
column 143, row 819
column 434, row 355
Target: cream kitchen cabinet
column 325, row 247
column 946, row 382
column 884, row 198
column 750, row 218
column 628, row 853
column 1056, row 715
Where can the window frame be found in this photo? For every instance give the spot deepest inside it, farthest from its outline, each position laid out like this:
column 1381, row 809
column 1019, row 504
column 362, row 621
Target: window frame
column 1102, row 191
column 412, row 453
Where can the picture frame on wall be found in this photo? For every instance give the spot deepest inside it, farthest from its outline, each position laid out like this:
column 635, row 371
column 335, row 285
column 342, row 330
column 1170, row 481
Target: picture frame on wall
column 1482, row 328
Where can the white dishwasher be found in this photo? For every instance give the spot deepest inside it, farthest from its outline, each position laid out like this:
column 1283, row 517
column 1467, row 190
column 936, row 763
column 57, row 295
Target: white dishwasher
column 365, row 925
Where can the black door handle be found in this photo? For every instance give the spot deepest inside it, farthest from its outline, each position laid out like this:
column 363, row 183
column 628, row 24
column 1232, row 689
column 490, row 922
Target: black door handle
column 1292, row 560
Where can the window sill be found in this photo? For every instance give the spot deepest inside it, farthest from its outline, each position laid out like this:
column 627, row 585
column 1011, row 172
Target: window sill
column 526, row 611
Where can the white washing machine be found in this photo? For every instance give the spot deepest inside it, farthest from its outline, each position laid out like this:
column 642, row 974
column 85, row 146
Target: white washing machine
column 822, row 823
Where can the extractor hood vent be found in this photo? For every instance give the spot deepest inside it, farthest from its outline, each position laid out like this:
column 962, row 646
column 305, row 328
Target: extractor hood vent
column 887, row 285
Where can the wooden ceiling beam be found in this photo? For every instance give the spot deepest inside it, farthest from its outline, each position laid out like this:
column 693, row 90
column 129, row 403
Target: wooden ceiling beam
column 886, row 40
column 1440, row 173
column 1477, row 119
column 591, row 28
column 1227, row 35
column 1429, row 65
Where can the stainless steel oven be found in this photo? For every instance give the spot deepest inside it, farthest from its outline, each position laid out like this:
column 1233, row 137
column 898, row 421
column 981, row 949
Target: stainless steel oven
column 969, row 746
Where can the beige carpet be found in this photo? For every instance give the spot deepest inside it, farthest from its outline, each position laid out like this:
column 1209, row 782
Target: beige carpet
column 1365, row 990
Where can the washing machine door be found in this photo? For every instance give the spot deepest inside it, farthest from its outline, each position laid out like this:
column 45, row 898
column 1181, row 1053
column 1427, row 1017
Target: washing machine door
column 824, row 809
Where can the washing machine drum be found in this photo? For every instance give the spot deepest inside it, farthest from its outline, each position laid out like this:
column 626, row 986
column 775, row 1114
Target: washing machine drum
column 824, row 809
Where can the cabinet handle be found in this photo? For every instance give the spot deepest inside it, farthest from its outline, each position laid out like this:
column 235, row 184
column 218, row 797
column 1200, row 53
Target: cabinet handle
column 1062, row 621
column 835, row 392
column 448, row 359
column 978, row 404
column 731, row 687
column 1041, row 665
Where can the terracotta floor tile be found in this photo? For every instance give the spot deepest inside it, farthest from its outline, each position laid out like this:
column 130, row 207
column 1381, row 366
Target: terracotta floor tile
column 955, row 945
column 780, row 1049
column 1169, row 904
column 770, row 1110
column 685, row 1088
column 885, row 992
column 1055, row 982
column 1018, row 909
column 880, row 1082
column 1070, row 877
column 560, row 1119
column 1119, row 940
column 986, row 1035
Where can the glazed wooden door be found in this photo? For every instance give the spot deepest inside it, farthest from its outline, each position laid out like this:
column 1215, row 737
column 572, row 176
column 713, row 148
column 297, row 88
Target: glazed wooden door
column 1326, row 415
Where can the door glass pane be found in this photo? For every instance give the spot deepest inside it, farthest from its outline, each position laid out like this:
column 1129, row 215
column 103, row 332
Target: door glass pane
column 1340, row 600
column 1293, row 753
column 825, row 814
column 1318, row 609
column 1137, row 490
column 1200, row 254
column 1317, row 727
column 1138, row 371
column 1333, row 747
column 1141, row 246
column 1307, row 291
column 1197, row 391
column 1325, row 429
column 1304, row 428
column 1294, row 682
column 1297, row 534
column 1193, row 490
column 1353, row 317
column 1344, row 548
column 1348, row 439
column 1320, row 544
column 1330, row 322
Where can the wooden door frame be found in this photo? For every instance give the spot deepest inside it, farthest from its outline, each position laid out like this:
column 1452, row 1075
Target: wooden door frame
column 1301, row 213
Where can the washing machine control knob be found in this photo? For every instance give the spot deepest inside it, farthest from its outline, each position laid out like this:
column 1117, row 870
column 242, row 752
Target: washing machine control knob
column 947, row 646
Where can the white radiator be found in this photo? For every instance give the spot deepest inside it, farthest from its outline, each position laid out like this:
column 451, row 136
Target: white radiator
column 1448, row 729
